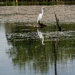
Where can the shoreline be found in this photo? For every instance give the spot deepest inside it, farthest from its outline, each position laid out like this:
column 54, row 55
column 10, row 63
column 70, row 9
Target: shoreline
column 29, row 14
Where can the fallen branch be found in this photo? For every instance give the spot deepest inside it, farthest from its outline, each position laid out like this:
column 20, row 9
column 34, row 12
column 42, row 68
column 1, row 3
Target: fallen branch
column 57, row 22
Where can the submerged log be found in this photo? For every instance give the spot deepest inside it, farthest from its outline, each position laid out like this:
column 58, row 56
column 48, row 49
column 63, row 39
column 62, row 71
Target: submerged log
column 41, row 25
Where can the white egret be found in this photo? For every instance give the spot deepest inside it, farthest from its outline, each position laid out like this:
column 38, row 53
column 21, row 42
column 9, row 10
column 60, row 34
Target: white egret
column 40, row 36
column 40, row 15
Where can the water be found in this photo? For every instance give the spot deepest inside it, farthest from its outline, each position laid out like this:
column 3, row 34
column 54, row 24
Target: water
column 22, row 51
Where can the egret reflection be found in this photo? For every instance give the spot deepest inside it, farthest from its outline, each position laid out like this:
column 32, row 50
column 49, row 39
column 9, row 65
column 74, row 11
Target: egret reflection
column 41, row 36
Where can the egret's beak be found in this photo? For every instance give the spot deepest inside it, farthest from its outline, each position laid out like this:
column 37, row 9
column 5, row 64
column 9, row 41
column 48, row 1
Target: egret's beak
column 44, row 7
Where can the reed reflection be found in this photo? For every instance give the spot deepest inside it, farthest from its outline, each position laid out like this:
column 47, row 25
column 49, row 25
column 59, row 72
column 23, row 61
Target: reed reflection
column 54, row 44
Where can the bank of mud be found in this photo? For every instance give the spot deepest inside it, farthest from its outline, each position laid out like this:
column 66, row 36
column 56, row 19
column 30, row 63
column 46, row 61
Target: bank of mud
column 29, row 14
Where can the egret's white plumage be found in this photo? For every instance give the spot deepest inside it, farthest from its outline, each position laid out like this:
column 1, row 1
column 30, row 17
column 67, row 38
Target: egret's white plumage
column 40, row 15
column 40, row 36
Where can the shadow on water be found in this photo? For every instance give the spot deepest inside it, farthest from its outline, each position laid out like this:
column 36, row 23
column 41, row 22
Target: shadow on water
column 27, row 51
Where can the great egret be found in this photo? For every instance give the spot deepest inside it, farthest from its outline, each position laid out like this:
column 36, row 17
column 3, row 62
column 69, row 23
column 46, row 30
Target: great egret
column 40, row 15
column 40, row 36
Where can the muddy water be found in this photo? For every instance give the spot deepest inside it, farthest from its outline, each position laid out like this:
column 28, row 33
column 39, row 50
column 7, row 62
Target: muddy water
column 22, row 51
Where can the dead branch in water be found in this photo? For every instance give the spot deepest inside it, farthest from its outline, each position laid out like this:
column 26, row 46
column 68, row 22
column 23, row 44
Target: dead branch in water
column 57, row 22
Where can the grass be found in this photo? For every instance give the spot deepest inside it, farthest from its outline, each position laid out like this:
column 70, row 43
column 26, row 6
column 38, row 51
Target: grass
column 35, row 3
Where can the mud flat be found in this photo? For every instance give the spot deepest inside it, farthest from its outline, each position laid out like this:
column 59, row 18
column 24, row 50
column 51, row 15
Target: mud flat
column 29, row 14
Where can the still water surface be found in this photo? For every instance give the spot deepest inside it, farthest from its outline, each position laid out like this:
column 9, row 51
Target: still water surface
column 23, row 53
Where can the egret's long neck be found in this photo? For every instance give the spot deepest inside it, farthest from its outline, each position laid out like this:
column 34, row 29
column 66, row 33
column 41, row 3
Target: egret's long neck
column 42, row 11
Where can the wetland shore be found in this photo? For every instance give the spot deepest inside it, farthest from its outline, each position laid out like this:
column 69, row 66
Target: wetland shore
column 29, row 14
